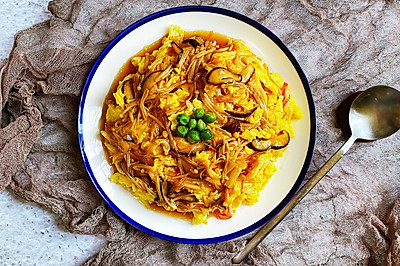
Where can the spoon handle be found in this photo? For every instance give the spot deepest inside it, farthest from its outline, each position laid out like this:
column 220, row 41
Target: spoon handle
column 267, row 228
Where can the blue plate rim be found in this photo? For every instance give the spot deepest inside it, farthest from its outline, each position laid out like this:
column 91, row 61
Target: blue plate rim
column 299, row 71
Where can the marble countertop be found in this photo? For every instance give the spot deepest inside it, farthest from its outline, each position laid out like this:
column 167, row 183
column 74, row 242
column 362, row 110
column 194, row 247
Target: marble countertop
column 31, row 235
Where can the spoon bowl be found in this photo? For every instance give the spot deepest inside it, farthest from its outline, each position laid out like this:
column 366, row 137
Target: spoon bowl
column 374, row 114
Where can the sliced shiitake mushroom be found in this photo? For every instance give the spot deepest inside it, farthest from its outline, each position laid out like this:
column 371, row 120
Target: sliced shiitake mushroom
column 177, row 50
column 219, row 148
column 278, row 142
column 221, row 75
column 233, row 125
column 143, row 176
column 185, row 147
column 129, row 87
column 139, row 173
column 194, row 41
column 190, row 167
column 162, row 191
column 241, row 114
column 247, row 72
column 150, row 80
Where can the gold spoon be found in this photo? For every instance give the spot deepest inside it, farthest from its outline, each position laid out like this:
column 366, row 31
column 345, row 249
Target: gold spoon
column 374, row 114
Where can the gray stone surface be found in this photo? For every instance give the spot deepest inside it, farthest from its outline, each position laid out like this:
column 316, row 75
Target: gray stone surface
column 18, row 15
column 31, row 235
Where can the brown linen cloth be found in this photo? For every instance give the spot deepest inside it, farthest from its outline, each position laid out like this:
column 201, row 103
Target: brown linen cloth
column 350, row 218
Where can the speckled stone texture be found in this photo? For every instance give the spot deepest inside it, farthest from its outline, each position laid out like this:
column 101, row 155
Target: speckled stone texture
column 350, row 218
column 17, row 16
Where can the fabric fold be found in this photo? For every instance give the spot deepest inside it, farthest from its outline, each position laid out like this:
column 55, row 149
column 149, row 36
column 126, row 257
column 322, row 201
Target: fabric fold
column 350, row 218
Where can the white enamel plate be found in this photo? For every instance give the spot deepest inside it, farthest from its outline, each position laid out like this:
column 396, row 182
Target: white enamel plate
column 292, row 167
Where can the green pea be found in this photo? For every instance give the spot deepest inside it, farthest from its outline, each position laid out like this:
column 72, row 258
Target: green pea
column 182, row 119
column 193, row 136
column 201, row 125
column 192, row 123
column 198, row 113
column 209, row 117
column 206, row 135
column 182, row 131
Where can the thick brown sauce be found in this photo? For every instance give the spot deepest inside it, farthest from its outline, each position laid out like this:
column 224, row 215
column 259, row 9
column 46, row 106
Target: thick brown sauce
column 127, row 69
